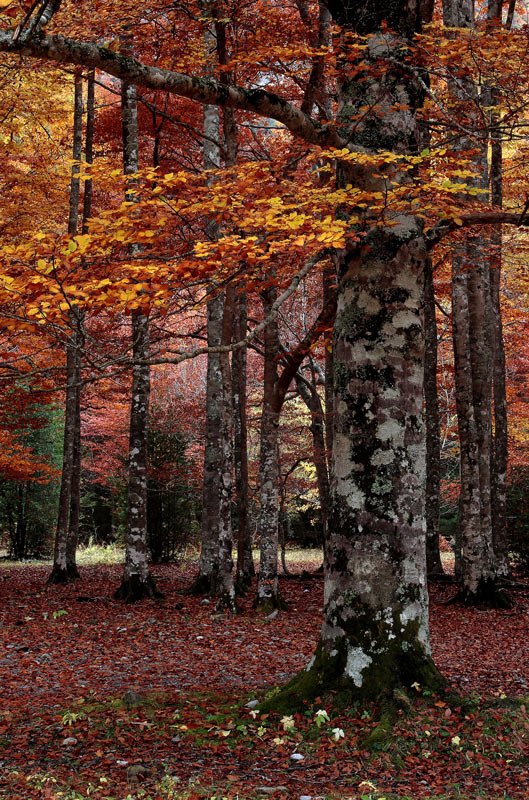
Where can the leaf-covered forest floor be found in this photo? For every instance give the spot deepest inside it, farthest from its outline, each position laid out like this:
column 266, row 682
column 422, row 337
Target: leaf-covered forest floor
column 102, row 700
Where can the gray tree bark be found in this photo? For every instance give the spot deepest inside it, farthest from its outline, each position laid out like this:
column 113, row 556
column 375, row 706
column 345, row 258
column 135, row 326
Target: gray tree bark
column 137, row 581
column 268, row 596
column 375, row 629
column 245, row 566
column 215, row 574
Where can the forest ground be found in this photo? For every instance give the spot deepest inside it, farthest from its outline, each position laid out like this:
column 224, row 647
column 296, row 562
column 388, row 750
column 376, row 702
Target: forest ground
column 107, row 701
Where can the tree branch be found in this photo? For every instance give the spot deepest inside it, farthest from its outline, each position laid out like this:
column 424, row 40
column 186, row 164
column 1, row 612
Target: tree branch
column 204, row 90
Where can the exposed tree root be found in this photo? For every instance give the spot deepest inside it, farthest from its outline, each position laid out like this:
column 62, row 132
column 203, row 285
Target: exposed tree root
column 134, row 589
column 396, row 674
column 489, row 594
column 60, row 576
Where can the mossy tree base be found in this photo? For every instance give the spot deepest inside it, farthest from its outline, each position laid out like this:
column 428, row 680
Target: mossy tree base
column 135, row 588
column 61, row 576
column 266, row 605
column 393, row 674
column 489, row 594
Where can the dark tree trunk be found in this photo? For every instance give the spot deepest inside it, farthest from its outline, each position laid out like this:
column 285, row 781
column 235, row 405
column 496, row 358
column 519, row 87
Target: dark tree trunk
column 433, row 431
column 60, row 572
column 311, row 398
column 473, row 349
column 500, row 446
column 75, row 493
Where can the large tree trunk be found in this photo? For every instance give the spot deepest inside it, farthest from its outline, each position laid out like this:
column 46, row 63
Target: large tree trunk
column 61, row 573
column 329, row 280
column 374, row 636
column 137, row 582
column 433, row 434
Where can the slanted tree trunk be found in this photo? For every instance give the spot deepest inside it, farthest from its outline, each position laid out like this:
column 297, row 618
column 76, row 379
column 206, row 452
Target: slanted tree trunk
column 433, row 432
column 61, row 572
column 245, row 566
column 374, row 636
column 310, row 396
column 137, row 581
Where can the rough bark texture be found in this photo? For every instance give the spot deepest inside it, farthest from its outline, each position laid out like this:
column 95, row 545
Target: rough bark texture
column 63, row 571
column 245, row 565
column 137, row 581
column 433, row 435
column 375, row 629
column 216, row 566
column 329, row 281
column 268, row 596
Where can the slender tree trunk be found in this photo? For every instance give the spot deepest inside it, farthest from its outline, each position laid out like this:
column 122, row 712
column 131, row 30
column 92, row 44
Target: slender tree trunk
column 21, row 550
column 473, row 341
column 245, row 565
column 216, row 567
column 268, row 596
column 60, row 572
column 75, row 493
column 500, row 447
column 137, row 581
column 433, row 432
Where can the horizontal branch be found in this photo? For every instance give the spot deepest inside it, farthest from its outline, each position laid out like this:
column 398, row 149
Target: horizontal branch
column 63, row 50
column 446, row 226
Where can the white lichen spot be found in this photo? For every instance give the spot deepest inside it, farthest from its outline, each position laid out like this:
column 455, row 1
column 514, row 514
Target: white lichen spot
column 381, row 457
column 368, row 302
column 357, row 662
column 391, row 430
column 310, row 664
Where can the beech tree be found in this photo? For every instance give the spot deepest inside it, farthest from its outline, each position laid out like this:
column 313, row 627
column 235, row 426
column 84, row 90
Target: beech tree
column 374, row 636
